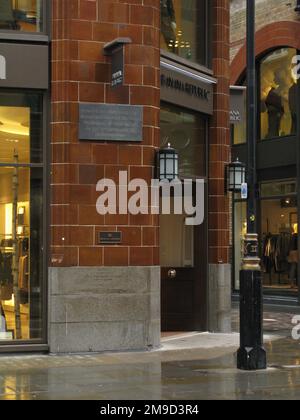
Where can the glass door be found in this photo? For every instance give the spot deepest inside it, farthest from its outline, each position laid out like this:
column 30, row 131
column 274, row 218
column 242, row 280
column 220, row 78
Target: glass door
column 21, row 217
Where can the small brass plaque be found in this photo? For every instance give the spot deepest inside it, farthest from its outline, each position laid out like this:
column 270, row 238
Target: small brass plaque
column 109, row 238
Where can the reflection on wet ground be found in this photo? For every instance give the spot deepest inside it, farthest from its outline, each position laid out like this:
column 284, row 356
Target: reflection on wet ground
column 154, row 376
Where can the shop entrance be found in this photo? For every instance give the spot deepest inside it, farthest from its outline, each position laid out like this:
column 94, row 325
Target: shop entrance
column 21, row 218
column 183, row 249
column 183, row 261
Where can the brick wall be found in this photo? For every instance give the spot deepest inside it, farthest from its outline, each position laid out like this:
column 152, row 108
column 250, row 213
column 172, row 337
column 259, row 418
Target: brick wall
column 267, row 12
column 219, row 138
column 81, row 73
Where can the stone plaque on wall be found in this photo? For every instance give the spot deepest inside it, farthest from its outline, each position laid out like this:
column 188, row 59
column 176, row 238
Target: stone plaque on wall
column 103, row 122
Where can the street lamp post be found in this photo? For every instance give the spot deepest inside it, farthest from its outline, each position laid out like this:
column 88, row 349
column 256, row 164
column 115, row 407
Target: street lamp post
column 251, row 355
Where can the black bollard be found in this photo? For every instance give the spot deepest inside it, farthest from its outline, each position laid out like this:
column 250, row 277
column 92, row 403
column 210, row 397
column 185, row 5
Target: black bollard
column 251, row 355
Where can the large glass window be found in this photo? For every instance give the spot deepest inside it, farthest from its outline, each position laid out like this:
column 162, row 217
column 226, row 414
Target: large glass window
column 186, row 131
column 278, row 92
column 21, row 217
column 279, row 236
column 184, row 30
column 21, row 15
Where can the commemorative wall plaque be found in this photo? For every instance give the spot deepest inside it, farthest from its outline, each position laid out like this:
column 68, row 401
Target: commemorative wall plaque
column 103, row 122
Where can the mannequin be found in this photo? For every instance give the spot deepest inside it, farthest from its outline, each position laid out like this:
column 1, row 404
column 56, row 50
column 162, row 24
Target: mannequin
column 168, row 24
column 277, row 104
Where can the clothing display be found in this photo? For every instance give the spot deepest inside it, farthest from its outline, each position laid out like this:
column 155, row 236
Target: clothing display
column 276, row 249
column 280, row 255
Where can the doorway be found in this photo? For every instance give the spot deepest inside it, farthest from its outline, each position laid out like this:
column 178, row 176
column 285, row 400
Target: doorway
column 22, row 216
column 184, row 248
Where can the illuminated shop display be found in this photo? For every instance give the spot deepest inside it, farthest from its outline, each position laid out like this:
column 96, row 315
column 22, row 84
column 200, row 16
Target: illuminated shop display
column 183, row 28
column 20, row 217
column 278, row 106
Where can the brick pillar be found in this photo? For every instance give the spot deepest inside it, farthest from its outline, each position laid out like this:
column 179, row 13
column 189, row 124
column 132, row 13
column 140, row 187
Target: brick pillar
column 108, row 295
column 219, row 268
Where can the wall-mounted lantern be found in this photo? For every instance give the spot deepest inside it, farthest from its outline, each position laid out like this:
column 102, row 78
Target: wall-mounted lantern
column 168, row 164
column 236, row 176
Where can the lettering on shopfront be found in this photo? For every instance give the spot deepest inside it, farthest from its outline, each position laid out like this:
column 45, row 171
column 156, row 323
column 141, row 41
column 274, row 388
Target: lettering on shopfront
column 185, row 87
column 2, row 67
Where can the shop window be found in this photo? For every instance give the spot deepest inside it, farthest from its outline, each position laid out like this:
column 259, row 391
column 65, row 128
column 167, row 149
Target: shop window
column 21, row 15
column 279, row 234
column 278, row 93
column 21, row 217
column 184, row 29
column 186, row 131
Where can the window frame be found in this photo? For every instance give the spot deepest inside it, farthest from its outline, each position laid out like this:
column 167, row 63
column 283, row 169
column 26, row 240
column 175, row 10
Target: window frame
column 207, row 66
column 242, row 81
column 37, row 344
column 260, row 59
column 13, row 35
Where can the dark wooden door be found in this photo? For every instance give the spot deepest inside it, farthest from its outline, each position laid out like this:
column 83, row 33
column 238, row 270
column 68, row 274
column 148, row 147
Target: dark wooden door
column 184, row 289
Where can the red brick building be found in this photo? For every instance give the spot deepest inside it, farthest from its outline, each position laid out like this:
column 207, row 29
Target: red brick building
column 114, row 281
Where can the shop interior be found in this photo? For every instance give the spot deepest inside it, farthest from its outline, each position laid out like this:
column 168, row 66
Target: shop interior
column 22, row 15
column 280, row 243
column 14, row 224
column 278, row 239
column 183, row 28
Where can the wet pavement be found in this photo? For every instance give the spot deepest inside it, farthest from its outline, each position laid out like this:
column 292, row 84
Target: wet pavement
column 207, row 373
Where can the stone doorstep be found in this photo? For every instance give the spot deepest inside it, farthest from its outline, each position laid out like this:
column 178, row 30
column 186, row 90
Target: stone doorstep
column 203, row 341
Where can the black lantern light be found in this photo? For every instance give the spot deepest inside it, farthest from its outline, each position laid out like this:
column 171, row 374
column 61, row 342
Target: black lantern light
column 297, row 8
column 168, row 164
column 236, row 176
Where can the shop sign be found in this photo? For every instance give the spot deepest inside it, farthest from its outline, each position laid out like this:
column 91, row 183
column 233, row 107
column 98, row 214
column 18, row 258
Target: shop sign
column 117, row 66
column 244, row 191
column 187, row 90
column 2, row 67
column 24, row 66
column 98, row 122
column 237, row 105
column 110, row 238
column 116, row 50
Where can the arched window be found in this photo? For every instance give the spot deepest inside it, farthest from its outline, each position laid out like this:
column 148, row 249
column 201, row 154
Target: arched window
column 278, row 93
